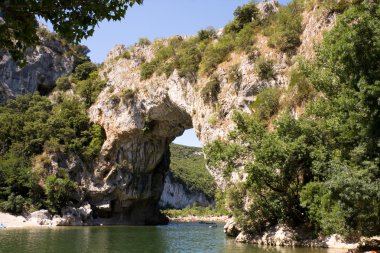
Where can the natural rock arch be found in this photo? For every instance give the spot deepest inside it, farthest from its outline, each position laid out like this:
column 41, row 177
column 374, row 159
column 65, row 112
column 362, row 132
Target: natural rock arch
column 141, row 119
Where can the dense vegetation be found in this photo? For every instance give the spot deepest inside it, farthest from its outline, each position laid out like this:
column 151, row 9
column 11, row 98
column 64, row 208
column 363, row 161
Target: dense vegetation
column 33, row 129
column 323, row 168
column 188, row 165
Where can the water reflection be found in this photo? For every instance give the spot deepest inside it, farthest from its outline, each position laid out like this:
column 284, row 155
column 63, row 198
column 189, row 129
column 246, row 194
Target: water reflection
column 181, row 238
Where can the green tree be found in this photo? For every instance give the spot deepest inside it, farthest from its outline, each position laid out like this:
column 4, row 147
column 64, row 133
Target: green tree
column 59, row 190
column 73, row 20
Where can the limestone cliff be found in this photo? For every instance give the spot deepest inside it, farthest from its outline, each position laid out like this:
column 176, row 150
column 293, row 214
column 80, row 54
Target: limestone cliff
column 177, row 195
column 47, row 62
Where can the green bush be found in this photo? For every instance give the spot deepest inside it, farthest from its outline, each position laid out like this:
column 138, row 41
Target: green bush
column 189, row 58
column 267, row 103
column 210, row 91
column 14, row 204
column 63, row 83
column 301, row 88
column 285, row 30
column 147, row 70
column 216, row 54
column 59, row 191
column 207, row 34
column 183, row 55
column 82, row 72
column 144, row 42
column 95, row 139
column 90, row 88
column 245, row 38
column 126, row 55
column 243, row 15
column 264, row 68
column 222, row 154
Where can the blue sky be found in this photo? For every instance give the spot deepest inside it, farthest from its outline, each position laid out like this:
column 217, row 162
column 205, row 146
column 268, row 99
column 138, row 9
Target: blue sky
column 159, row 19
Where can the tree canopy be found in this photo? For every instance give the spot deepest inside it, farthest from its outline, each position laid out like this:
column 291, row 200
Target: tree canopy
column 73, row 20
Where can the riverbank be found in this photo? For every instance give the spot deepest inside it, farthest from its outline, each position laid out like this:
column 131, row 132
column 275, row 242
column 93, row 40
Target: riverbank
column 43, row 220
column 193, row 218
column 12, row 221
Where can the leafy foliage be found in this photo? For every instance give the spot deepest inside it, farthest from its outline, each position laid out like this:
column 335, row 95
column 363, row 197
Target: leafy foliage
column 210, row 91
column 243, row 15
column 264, row 68
column 267, row 103
column 144, row 42
column 29, row 121
column 90, row 88
column 73, row 20
column 202, row 53
column 59, row 190
column 285, row 28
column 83, row 71
column 63, row 83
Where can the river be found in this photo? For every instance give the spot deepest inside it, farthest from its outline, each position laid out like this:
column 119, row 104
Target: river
column 176, row 238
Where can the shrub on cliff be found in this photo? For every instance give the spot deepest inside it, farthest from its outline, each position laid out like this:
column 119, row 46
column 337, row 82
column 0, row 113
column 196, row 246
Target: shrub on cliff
column 265, row 69
column 267, row 103
column 210, row 91
column 83, row 70
column 63, row 83
column 285, row 29
column 243, row 15
column 90, row 88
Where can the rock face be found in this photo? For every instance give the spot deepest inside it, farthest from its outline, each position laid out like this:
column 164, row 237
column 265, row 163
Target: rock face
column 177, row 195
column 231, row 228
column 46, row 63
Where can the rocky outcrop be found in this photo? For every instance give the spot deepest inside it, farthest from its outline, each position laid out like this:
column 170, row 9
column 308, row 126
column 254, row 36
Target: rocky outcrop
column 371, row 245
column 177, row 195
column 315, row 23
column 231, row 228
column 41, row 217
column 70, row 217
column 283, row 235
column 45, row 64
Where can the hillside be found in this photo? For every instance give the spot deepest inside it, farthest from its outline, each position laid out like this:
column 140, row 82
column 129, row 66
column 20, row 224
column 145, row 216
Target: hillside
column 188, row 165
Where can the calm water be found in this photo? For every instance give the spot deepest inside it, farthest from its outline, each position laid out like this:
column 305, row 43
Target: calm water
column 176, row 238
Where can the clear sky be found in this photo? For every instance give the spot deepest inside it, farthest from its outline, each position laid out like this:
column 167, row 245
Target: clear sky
column 159, row 19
